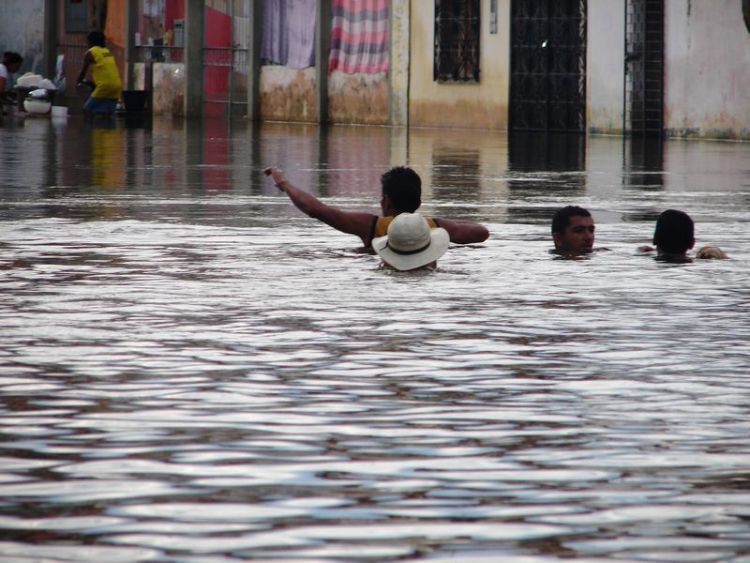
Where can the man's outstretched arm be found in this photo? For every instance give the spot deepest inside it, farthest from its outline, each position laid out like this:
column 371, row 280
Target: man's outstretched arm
column 350, row 222
column 464, row 232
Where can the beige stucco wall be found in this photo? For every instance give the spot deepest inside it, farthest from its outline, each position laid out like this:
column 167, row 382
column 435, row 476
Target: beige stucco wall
column 708, row 69
column 605, row 54
column 477, row 106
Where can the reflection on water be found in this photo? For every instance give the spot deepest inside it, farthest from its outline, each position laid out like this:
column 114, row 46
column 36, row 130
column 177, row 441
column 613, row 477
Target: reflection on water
column 191, row 369
column 544, row 167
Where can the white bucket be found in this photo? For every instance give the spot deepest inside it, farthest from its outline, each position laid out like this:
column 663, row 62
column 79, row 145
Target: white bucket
column 37, row 107
column 59, row 111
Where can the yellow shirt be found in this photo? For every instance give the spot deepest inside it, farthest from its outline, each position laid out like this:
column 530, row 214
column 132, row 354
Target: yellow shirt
column 105, row 74
column 380, row 227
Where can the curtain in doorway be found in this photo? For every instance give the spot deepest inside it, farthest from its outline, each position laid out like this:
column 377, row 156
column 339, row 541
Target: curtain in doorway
column 289, row 32
column 359, row 36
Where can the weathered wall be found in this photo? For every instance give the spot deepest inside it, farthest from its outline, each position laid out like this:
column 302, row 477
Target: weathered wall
column 22, row 31
column 708, row 69
column 287, row 94
column 358, row 98
column 478, row 106
column 605, row 55
column 168, row 96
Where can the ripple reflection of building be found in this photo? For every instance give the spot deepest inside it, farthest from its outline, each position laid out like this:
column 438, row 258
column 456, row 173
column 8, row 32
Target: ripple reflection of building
column 355, row 158
column 456, row 179
column 545, row 171
column 643, row 175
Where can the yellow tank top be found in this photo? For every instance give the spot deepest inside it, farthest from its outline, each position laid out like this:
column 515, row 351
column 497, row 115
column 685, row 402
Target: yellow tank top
column 380, row 228
column 105, row 74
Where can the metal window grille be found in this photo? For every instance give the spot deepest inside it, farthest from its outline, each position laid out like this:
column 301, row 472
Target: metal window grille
column 457, row 28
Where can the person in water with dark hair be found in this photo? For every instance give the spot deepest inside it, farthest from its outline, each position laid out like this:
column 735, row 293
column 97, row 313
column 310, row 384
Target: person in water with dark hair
column 674, row 235
column 12, row 61
column 105, row 77
column 573, row 231
column 401, row 192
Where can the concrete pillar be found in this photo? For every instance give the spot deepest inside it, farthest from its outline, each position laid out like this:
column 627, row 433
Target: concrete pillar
column 194, row 57
column 51, row 22
column 253, row 71
column 323, row 16
column 131, row 52
column 398, row 75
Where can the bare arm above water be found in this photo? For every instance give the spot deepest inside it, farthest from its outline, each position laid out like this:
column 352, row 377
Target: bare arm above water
column 463, row 232
column 351, row 222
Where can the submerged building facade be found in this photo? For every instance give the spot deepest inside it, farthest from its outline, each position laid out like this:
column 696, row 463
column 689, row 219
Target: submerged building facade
column 626, row 67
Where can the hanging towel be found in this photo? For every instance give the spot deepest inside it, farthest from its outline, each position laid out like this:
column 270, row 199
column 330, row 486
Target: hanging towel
column 359, row 36
column 289, row 32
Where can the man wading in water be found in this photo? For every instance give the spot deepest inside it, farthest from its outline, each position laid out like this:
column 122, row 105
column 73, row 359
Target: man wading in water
column 573, row 231
column 401, row 193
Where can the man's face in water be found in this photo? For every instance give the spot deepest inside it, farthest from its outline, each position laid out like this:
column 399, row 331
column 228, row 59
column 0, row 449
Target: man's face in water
column 578, row 237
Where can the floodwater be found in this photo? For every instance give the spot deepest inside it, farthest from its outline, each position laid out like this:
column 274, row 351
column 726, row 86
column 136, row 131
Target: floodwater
column 193, row 370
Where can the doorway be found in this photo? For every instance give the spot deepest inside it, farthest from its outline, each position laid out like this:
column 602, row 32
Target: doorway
column 548, row 66
column 643, row 113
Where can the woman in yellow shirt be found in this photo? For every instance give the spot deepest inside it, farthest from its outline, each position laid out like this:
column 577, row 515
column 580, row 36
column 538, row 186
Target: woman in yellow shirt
column 104, row 74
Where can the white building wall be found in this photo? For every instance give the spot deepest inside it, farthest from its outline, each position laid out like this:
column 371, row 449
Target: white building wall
column 707, row 69
column 22, row 31
column 605, row 53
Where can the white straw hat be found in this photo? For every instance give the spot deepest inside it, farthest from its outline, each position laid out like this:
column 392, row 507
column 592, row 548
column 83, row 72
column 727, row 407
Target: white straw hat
column 411, row 243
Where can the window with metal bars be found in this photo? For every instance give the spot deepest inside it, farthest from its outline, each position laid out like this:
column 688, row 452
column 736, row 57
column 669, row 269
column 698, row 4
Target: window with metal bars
column 457, row 28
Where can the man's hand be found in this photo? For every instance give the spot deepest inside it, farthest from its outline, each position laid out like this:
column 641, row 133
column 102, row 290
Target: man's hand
column 277, row 175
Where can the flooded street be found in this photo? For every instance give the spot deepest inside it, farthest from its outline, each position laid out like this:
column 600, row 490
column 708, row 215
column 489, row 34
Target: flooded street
column 193, row 370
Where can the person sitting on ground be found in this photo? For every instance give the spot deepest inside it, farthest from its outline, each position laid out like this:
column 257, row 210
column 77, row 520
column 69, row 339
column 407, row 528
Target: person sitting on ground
column 105, row 77
column 11, row 63
column 411, row 243
column 573, row 231
column 674, row 235
column 401, row 193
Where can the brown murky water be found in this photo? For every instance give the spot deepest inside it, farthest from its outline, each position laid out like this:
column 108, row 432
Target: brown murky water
column 192, row 370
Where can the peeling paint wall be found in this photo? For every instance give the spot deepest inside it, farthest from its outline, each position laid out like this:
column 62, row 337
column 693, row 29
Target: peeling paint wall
column 358, row 98
column 605, row 72
column 168, row 97
column 168, row 94
column 287, row 94
column 708, row 69
column 22, row 31
column 482, row 105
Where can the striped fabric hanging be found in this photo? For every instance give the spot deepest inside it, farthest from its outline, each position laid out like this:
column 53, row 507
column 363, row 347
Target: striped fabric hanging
column 359, row 36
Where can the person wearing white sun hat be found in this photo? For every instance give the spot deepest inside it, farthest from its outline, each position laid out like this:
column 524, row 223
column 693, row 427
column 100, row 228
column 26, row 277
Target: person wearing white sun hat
column 401, row 192
column 411, row 243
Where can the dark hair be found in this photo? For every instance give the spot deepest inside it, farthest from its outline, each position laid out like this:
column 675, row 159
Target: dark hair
column 11, row 57
column 404, row 187
column 561, row 218
column 95, row 38
column 675, row 231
